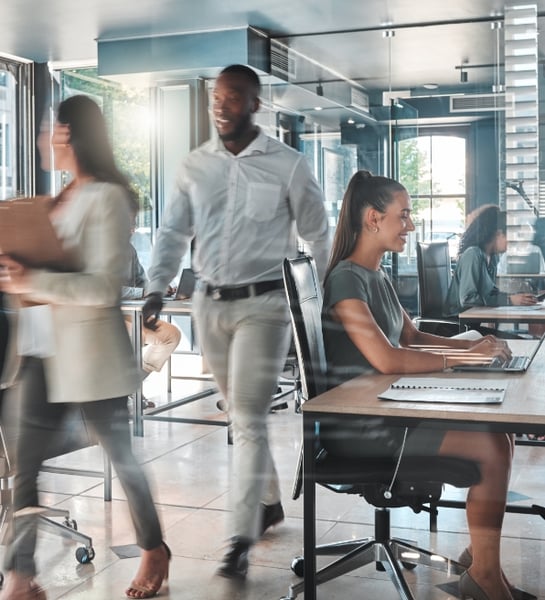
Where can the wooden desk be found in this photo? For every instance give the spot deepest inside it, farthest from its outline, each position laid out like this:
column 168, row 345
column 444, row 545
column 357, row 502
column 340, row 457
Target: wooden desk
column 501, row 276
column 503, row 314
column 522, row 411
column 170, row 308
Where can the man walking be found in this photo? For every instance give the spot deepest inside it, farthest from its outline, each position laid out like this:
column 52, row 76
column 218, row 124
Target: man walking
column 244, row 198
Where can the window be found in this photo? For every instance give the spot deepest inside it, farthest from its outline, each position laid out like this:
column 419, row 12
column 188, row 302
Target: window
column 433, row 169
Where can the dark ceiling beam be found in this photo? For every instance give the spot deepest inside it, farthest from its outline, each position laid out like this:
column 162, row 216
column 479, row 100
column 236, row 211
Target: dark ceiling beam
column 392, row 26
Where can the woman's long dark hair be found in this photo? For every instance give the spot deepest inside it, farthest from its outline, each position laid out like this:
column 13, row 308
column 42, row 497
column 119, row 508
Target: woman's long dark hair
column 484, row 224
column 90, row 142
column 364, row 190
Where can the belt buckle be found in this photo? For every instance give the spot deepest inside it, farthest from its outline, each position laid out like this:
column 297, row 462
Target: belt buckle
column 216, row 294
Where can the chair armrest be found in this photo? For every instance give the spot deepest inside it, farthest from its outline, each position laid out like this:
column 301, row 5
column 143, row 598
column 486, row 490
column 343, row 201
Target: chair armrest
column 449, row 327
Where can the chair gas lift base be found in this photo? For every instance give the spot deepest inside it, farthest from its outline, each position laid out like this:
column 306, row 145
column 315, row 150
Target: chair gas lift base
column 388, row 555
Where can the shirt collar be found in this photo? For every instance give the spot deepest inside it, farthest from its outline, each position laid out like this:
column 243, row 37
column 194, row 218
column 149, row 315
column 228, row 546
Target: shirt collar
column 256, row 146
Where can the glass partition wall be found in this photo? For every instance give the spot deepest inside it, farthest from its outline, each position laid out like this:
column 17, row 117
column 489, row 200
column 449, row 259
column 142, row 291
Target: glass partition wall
column 459, row 131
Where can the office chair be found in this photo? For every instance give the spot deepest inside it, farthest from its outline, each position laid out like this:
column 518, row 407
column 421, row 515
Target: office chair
column 419, row 480
column 73, row 435
column 434, row 277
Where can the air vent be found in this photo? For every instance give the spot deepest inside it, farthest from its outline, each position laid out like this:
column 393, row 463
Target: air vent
column 282, row 64
column 479, row 102
column 359, row 99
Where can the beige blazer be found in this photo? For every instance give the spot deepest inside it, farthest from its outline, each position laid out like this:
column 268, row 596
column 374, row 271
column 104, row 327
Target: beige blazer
column 92, row 353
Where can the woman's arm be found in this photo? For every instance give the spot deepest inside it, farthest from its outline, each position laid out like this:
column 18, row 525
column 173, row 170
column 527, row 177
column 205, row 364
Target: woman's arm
column 412, row 336
column 360, row 325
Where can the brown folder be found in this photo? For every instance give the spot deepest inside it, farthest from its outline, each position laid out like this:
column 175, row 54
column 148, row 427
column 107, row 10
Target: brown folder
column 28, row 236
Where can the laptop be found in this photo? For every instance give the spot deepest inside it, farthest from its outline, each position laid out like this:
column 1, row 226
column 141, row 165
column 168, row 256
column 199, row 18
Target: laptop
column 516, row 364
column 185, row 287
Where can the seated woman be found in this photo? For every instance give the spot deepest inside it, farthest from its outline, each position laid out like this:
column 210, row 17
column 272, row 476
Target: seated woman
column 474, row 280
column 367, row 331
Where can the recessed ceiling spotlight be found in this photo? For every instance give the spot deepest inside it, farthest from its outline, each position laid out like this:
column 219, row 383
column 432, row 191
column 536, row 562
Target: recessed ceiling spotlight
column 351, row 121
column 317, row 108
column 430, row 86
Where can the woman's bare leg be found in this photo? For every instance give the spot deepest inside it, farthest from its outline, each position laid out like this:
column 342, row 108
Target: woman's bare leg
column 485, row 505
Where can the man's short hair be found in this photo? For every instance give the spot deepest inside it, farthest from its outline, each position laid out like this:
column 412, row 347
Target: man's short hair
column 245, row 71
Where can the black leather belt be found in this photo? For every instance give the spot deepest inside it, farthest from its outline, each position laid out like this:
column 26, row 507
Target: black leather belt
column 243, row 291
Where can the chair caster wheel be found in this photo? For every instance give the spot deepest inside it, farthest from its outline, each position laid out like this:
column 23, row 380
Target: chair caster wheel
column 298, row 566
column 71, row 523
column 409, row 566
column 1, row 579
column 85, row 555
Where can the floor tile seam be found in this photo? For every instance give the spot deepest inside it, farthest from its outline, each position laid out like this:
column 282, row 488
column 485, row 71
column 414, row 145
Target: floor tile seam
column 85, row 581
column 176, row 448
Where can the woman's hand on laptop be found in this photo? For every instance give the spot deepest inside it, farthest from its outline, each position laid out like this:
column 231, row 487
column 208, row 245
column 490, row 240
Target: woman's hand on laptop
column 490, row 347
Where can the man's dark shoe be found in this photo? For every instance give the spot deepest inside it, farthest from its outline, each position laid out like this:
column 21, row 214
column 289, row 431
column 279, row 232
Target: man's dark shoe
column 235, row 562
column 272, row 515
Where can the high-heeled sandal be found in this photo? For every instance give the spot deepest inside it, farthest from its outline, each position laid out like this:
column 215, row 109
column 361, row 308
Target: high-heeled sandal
column 153, row 584
column 469, row 589
column 465, row 559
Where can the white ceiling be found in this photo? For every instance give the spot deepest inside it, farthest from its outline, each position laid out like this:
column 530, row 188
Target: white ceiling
column 432, row 37
column 66, row 30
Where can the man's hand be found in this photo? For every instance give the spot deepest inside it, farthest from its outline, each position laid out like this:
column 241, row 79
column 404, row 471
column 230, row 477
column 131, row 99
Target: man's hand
column 151, row 309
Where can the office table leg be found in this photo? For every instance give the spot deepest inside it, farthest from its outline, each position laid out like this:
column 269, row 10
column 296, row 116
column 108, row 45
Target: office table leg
column 138, row 421
column 309, row 507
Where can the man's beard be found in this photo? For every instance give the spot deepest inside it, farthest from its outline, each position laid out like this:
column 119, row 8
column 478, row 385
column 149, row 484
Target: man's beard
column 238, row 132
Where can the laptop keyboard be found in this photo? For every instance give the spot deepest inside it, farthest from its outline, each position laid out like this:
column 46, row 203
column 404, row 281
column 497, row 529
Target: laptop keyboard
column 515, row 362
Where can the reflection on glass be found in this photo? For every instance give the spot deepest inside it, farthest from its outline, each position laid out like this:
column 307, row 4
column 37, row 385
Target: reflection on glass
column 8, row 128
column 128, row 116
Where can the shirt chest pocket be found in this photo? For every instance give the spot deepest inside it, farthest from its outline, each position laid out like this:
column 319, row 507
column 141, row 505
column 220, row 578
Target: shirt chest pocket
column 262, row 201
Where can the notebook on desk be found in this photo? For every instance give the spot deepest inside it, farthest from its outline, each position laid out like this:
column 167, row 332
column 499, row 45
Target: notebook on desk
column 445, row 390
column 516, row 364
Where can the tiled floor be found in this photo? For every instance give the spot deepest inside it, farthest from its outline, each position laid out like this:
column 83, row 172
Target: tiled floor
column 189, row 467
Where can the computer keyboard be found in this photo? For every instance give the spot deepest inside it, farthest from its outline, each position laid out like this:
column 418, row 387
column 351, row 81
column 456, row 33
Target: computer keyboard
column 515, row 362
